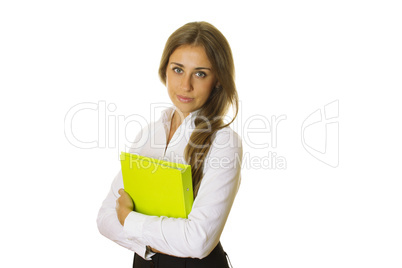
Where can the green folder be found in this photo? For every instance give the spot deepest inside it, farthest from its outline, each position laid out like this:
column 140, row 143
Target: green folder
column 157, row 187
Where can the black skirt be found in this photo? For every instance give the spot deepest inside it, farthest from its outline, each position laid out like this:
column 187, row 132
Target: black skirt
column 216, row 259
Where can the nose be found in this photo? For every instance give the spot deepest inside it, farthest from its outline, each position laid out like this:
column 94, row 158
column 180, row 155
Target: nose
column 186, row 83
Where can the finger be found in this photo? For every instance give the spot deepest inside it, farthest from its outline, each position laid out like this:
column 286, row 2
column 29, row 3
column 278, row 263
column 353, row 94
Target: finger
column 121, row 191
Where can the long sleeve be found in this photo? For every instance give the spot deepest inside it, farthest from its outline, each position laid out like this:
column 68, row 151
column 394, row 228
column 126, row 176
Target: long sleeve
column 197, row 236
column 107, row 221
column 109, row 225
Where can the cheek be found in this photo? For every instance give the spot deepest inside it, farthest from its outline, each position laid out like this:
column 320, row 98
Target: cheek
column 171, row 81
column 206, row 89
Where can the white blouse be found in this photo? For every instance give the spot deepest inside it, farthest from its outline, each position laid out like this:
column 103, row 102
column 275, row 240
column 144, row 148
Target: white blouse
column 198, row 235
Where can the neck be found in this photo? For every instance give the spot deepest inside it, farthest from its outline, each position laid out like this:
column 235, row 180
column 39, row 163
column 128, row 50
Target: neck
column 178, row 118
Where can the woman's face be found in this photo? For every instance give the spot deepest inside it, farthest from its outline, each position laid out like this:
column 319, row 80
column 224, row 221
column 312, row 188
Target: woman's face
column 189, row 78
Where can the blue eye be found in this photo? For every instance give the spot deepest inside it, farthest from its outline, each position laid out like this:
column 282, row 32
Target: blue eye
column 177, row 70
column 200, row 74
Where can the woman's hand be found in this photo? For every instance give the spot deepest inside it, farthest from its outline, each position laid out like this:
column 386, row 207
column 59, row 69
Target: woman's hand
column 156, row 251
column 124, row 205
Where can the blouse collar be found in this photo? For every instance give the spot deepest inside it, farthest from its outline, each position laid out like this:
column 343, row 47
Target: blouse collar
column 167, row 114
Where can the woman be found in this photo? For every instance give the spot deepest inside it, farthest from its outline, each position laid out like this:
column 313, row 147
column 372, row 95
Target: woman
column 198, row 71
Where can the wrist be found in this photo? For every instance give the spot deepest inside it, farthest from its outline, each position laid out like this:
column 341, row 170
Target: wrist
column 126, row 213
column 123, row 215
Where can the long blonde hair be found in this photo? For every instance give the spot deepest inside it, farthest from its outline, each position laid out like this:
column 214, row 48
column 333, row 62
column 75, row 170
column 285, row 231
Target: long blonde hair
column 210, row 117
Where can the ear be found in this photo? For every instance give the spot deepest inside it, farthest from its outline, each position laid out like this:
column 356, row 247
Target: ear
column 216, row 89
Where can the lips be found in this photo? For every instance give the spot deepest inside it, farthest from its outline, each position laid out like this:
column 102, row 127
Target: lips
column 184, row 99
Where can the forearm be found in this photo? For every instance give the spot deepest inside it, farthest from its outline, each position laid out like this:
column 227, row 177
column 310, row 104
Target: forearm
column 109, row 225
column 194, row 237
column 198, row 235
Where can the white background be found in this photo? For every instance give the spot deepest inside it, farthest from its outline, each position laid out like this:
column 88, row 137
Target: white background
column 292, row 58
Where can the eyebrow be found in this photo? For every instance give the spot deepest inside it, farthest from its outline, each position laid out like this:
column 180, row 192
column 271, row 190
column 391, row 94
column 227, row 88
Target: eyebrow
column 198, row 68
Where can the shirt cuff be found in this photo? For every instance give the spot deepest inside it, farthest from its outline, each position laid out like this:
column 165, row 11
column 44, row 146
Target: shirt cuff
column 139, row 248
column 134, row 224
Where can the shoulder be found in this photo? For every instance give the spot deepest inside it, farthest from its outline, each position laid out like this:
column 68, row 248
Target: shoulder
column 149, row 127
column 226, row 144
column 150, row 130
column 227, row 138
column 226, row 152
